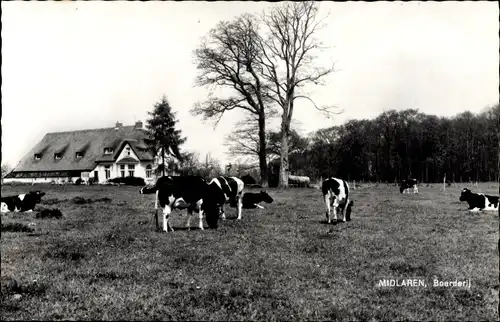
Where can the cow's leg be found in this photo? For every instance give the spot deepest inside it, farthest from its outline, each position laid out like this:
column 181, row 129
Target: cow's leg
column 259, row 206
column 200, row 218
column 342, row 212
column 223, row 215
column 334, row 208
column 327, row 203
column 188, row 221
column 166, row 214
column 239, row 205
column 415, row 189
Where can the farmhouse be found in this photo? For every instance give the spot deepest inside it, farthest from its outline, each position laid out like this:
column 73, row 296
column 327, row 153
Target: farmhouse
column 100, row 154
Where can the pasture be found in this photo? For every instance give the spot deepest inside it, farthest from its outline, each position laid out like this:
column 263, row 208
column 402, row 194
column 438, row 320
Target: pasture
column 103, row 260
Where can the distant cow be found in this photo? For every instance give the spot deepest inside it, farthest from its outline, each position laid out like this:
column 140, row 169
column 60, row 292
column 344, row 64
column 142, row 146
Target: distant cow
column 299, row 181
column 251, row 200
column 407, row 184
column 336, row 196
column 225, row 190
column 186, row 192
column 479, row 201
column 25, row 202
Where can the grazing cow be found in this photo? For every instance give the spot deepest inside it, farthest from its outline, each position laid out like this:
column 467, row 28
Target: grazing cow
column 336, row 196
column 185, row 192
column 251, row 200
column 407, row 184
column 224, row 190
column 25, row 202
column 479, row 201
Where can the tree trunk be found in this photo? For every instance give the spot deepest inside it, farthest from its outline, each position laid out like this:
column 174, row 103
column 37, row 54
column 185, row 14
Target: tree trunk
column 163, row 161
column 498, row 166
column 283, row 176
column 262, row 151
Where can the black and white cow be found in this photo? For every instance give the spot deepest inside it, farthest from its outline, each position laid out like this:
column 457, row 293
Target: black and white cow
column 25, row 202
column 251, row 200
column 407, row 184
column 336, row 196
column 479, row 201
column 183, row 192
column 225, row 190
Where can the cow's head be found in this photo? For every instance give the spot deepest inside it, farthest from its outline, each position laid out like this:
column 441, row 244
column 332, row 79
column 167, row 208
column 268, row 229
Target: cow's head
column 37, row 195
column 402, row 188
column 266, row 197
column 464, row 196
column 212, row 212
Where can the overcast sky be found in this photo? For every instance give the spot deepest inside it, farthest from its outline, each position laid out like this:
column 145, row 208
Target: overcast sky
column 82, row 65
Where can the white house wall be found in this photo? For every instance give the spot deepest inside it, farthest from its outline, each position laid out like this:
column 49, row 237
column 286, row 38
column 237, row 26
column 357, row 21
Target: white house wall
column 115, row 171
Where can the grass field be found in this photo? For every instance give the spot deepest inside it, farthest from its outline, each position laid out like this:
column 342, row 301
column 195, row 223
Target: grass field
column 103, row 259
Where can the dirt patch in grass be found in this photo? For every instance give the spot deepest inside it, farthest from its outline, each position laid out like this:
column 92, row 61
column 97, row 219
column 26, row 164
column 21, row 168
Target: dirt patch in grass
column 48, row 213
column 12, row 286
column 16, row 227
column 81, row 200
column 51, row 201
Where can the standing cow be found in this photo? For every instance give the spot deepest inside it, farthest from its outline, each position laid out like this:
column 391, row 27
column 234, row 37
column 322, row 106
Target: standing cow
column 225, row 190
column 407, row 184
column 337, row 197
column 185, row 192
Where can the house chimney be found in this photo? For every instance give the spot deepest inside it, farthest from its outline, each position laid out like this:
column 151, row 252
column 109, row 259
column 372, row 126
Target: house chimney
column 138, row 125
column 118, row 125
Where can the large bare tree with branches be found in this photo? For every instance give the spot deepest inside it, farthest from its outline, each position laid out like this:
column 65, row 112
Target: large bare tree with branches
column 288, row 52
column 228, row 59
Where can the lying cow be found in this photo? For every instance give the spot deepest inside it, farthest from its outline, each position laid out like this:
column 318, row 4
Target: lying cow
column 251, row 200
column 336, row 196
column 185, row 192
column 407, row 184
column 479, row 201
column 225, row 190
column 25, row 202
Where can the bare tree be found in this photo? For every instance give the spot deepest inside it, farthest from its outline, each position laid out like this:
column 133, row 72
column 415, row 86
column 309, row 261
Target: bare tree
column 229, row 59
column 287, row 63
column 244, row 140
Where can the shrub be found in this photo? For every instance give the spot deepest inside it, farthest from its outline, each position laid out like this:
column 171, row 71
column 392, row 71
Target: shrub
column 129, row 181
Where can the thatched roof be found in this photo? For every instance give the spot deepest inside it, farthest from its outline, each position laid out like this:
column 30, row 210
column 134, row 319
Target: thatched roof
column 89, row 143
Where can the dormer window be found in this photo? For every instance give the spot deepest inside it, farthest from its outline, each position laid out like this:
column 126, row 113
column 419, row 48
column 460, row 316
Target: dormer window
column 57, row 156
column 37, row 156
column 108, row 150
column 79, row 155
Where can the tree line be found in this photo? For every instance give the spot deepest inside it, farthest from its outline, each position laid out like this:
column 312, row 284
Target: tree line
column 402, row 144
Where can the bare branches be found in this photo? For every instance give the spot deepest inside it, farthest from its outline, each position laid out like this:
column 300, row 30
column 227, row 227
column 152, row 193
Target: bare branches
column 327, row 110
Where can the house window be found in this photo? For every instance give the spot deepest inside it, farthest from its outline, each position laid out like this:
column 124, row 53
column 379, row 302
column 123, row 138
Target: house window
column 108, row 150
column 127, row 151
column 85, row 174
column 149, row 171
column 131, row 169
column 79, row 155
column 57, row 156
column 38, row 156
column 122, row 170
column 107, row 170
